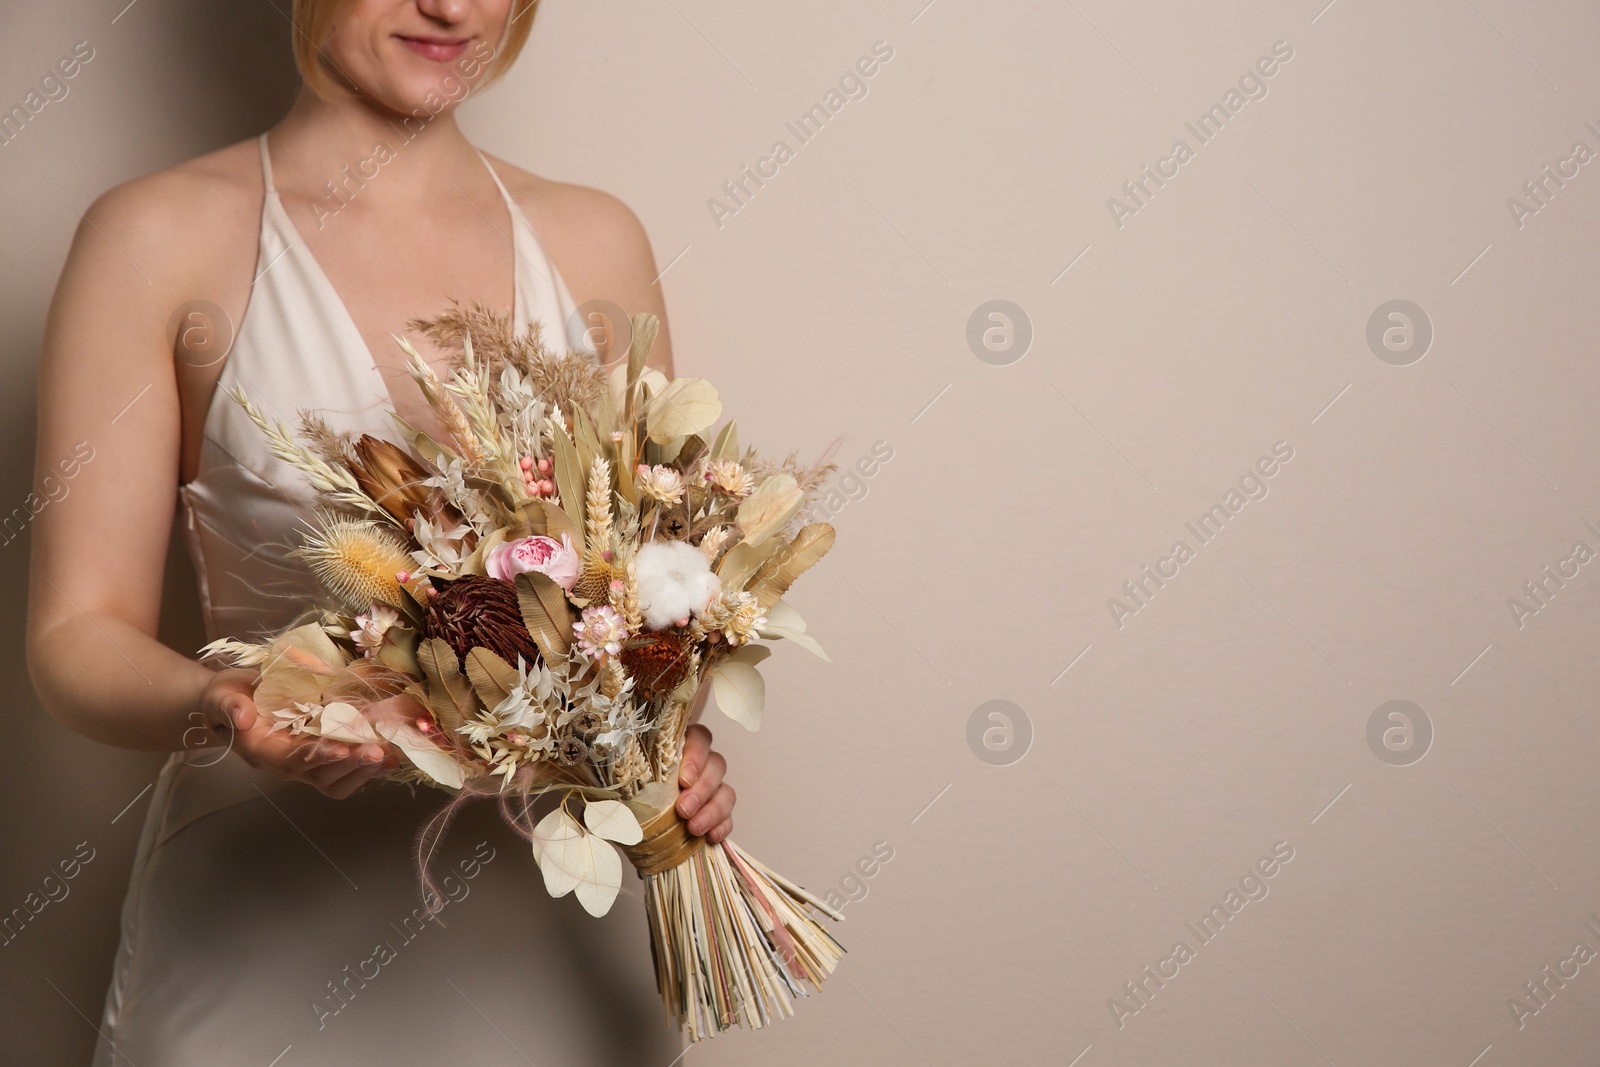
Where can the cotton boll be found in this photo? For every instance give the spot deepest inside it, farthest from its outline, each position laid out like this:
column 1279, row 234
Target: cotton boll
column 675, row 582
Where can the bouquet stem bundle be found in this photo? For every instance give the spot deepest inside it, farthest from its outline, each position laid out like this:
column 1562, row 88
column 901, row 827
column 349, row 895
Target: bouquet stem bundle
column 733, row 941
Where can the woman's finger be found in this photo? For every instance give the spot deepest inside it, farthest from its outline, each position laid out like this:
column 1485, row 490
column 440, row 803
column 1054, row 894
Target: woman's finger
column 241, row 712
column 720, row 831
column 320, row 752
column 696, row 747
column 705, row 784
column 369, row 753
column 714, row 811
column 261, row 748
column 326, row 774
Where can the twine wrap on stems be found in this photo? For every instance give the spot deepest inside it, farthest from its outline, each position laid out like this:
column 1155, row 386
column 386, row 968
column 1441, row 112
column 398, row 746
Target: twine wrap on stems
column 667, row 843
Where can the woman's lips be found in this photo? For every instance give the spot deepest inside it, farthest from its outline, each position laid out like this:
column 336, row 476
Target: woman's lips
column 439, row 49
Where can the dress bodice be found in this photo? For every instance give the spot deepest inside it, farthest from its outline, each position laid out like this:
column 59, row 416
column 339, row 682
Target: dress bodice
column 297, row 348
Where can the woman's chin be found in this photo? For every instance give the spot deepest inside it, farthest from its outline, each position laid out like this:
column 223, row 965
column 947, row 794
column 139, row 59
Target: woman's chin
column 421, row 97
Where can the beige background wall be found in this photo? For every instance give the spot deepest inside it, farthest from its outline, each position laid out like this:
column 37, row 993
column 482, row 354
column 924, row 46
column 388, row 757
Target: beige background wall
column 1228, row 314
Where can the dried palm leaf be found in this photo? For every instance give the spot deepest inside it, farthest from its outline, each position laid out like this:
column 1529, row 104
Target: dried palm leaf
column 774, row 577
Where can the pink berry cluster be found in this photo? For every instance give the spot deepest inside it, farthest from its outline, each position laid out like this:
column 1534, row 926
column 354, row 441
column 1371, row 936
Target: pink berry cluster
column 538, row 484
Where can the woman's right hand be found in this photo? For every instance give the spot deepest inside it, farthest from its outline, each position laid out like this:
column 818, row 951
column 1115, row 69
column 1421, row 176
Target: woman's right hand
column 334, row 768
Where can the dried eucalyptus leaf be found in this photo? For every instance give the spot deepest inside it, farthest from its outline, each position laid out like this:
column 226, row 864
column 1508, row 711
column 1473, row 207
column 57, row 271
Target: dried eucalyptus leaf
column 684, row 407
column 727, row 443
column 740, row 692
column 767, row 510
column 613, row 820
column 741, row 561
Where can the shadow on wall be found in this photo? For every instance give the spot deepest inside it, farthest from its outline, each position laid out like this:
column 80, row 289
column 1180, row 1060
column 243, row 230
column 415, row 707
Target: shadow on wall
column 240, row 75
column 236, row 77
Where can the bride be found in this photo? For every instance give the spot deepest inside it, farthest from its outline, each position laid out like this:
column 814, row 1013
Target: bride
column 272, row 914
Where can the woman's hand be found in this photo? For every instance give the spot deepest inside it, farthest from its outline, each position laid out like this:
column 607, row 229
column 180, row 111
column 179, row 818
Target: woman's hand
column 334, row 768
column 707, row 801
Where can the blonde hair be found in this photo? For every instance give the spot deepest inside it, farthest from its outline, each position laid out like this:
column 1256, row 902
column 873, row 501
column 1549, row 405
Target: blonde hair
column 315, row 21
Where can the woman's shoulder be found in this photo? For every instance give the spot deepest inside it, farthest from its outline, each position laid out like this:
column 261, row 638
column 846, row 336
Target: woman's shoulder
column 595, row 238
column 188, row 220
column 580, row 204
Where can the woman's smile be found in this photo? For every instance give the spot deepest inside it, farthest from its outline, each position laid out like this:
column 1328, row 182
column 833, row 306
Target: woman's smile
column 438, row 49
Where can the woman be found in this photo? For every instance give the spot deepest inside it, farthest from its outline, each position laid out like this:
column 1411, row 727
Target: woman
column 272, row 910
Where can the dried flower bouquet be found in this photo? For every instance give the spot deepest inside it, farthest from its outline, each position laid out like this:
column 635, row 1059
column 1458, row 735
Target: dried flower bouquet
column 529, row 603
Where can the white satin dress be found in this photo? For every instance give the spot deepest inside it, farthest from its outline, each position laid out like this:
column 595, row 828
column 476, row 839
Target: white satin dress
column 266, row 925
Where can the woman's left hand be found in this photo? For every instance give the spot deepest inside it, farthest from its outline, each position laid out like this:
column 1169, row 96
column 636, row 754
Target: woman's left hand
column 706, row 801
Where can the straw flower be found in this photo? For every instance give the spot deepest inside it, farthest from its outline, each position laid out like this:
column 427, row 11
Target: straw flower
column 661, row 483
column 600, row 632
column 737, row 615
column 730, row 476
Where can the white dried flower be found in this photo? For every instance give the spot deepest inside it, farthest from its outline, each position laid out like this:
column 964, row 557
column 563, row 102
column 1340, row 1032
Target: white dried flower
column 441, row 549
column 525, row 704
column 371, row 626
column 452, row 481
column 730, row 476
column 661, row 483
column 675, row 582
column 711, row 544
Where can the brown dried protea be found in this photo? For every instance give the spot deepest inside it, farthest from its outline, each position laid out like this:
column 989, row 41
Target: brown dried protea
column 394, row 480
column 475, row 611
column 658, row 660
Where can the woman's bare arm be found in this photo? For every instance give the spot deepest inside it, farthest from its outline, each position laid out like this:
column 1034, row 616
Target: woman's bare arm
column 108, row 392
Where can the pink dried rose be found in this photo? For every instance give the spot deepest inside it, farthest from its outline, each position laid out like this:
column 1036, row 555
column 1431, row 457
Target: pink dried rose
column 546, row 555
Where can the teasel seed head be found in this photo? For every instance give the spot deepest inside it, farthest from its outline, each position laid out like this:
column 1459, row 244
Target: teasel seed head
column 594, row 583
column 357, row 561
